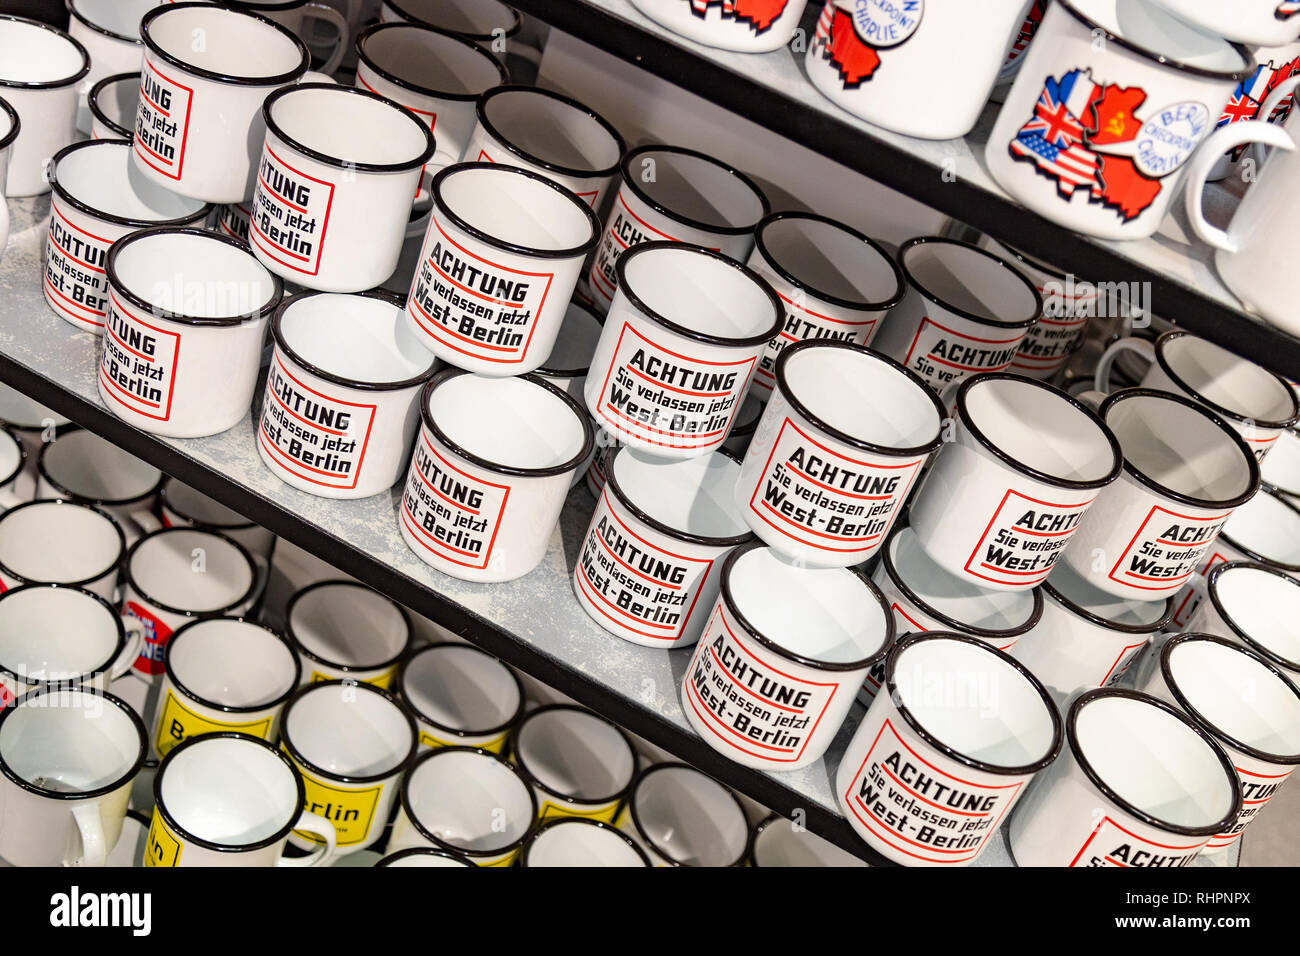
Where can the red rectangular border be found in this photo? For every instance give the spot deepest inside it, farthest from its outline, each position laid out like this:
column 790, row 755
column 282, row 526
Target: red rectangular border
column 1175, row 583
column 1040, row 576
column 420, row 534
column 185, row 131
column 176, row 364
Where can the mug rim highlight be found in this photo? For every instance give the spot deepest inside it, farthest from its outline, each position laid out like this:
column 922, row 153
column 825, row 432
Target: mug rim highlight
column 398, row 768
column 662, row 852
column 629, row 180
column 228, row 708
column 391, row 858
column 298, row 646
column 399, row 683
column 516, row 25
column 917, row 241
column 532, row 779
column 587, row 821
column 114, row 615
column 287, row 77
column 62, row 191
column 1212, row 592
column 92, row 100
column 888, row 303
column 70, row 495
column 612, row 483
column 117, row 563
column 48, row 84
column 1092, row 618
column 15, row 124
column 480, row 111
column 359, row 45
column 86, row 22
column 215, row 612
column 1163, row 362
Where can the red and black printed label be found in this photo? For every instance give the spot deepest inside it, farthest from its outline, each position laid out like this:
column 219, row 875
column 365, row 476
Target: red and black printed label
column 802, row 323
column 1023, row 539
column 474, row 306
column 233, row 221
column 920, row 810
column 319, row 438
column 138, row 363
column 156, row 636
column 1257, row 789
column 821, row 499
column 1166, row 549
column 668, row 399
column 757, row 709
column 1048, row 344
column 942, row 356
column 162, row 121
column 626, row 229
column 75, row 282
column 452, row 514
column 290, row 215
column 1122, row 660
column 1110, row 844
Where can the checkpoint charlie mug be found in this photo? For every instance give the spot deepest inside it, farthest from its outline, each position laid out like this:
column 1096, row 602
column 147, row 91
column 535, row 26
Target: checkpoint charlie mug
column 174, row 291
column 577, row 841
column 492, row 466
column 41, row 69
column 781, row 659
column 1007, row 494
column 941, row 758
column 81, row 466
column 681, row 817
column 113, row 103
column 228, row 799
column 342, row 393
column 1254, row 605
column 68, row 757
column 100, row 197
column 679, row 348
column 61, row 542
column 742, row 27
column 1111, row 101
column 345, row 631
column 1257, row 22
column 180, row 505
column 460, row 696
column 578, row 763
column 198, row 128
column 965, row 311
column 1139, row 784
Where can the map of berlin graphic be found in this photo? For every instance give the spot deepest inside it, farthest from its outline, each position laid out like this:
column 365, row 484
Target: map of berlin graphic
column 759, row 14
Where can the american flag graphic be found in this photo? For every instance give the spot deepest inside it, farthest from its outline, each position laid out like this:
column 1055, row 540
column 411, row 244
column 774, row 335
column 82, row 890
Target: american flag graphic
column 1054, row 136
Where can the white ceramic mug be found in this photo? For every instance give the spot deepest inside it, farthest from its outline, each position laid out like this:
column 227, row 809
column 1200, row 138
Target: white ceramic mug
column 228, row 799
column 1257, row 22
column 180, row 505
column 580, row 842
column 1254, row 605
column 10, row 126
column 110, row 32
column 461, row 696
column 965, row 311
column 113, row 103
column 15, row 486
column 61, row 542
column 175, row 293
column 490, row 472
column 295, row 15
column 680, row 817
column 81, row 466
column 578, row 763
column 341, row 630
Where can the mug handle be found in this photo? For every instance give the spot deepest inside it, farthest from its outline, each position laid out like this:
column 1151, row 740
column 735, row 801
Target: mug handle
column 321, row 11
column 1140, row 347
column 94, row 847
column 134, row 645
column 323, row 829
column 1219, row 142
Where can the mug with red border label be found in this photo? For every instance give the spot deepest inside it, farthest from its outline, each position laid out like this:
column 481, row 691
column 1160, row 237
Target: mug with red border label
column 1139, row 785
column 778, row 842
column 965, row 311
column 876, row 59
column 837, row 453
column 178, row 575
column 1258, row 404
column 295, row 15
column 491, row 469
column 183, row 506
column 834, row 282
column 1249, row 707
column 651, row 560
column 98, row 199
column 342, row 630
column 1185, row 471
column 1111, row 101
column 234, row 220
column 490, row 24
column 113, row 103
column 83, row 467
column 500, row 260
column 199, row 125
column 1257, row 22
column 940, row 760
column 61, row 542
column 40, row 80
column 678, row 195
column 549, row 134
column 342, row 393
column 460, row 696
column 681, row 817
column 679, row 348
column 187, row 316
column 110, row 32
column 578, row 763
column 1007, row 494
column 15, row 485
column 1257, row 606
column 576, row 841
column 781, row 658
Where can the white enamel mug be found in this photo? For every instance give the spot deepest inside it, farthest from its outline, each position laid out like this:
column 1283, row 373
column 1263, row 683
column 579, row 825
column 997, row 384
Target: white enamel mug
column 1008, row 492
column 186, row 322
column 68, row 757
column 578, row 763
column 680, row 195
column 490, row 24
column 837, row 453
column 1249, row 707
column 1254, row 605
column 341, row 630
column 1111, row 101
column 110, row 32
column 466, row 800
column 295, row 15
column 778, row 842
column 461, row 697
column 342, row 394
column 32, row 422
column 113, row 103
column 81, row 466
column 1257, row 22
column 182, row 506
column 1258, row 404
column 351, row 742
column 1185, row 471
column 939, row 761
column 834, row 282
column 876, row 59
column 490, row 472
column 1263, row 95
column 965, row 311
column 679, row 348
column 228, row 799
column 10, row 126
column 41, row 70
column 680, row 817
column 334, row 185
column 651, row 560
column 61, row 542
column 198, row 128
column 177, row 575
column 579, row 842
column 781, row 659
column 549, row 134
column 499, row 264
column 222, row 675
column 742, row 27
column 1139, row 785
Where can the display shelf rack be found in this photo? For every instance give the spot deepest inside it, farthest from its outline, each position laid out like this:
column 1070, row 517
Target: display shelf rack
column 772, row 90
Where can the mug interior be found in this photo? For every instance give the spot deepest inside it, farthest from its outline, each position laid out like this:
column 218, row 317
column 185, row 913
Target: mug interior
column 461, row 16
column 515, row 207
column 349, row 625
column 94, row 468
column 460, row 687
column 508, row 421
column 574, row 843
column 552, row 130
column 695, row 495
column 346, row 126
column 235, row 44
column 69, row 741
column 105, row 178
column 119, row 101
column 431, row 61
column 689, row 818
column 1159, row 32
column 191, row 571
column 232, row 663
column 699, row 189
column 187, row 273
column 954, row 597
column 35, row 54
column 1227, row 380
column 362, row 734
column 961, row 277
column 1125, row 612
column 778, row 844
column 355, row 337
column 461, row 797
column 1264, row 606
column 700, row 292
column 575, row 754
column 1269, row 527
column 229, row 791
column 117, row 16
column 827, row 260
column 55, row 634
column 58, row 543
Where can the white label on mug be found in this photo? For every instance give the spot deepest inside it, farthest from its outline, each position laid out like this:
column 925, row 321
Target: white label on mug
column 74, row 270
column 474, row 306
column 1166, row 549
column 1110, row 844
column 319, row 438
column 1257, row 789
column 290, row 215
column 1168, row 137
column 233, row 220
column 803, row 323
column 626, row 229
column 669, row 399
column 162, row 121
column 941, row 356
column 138, row 363
column 748, row 705
column 886, row 23
column 1023, row 539
column 920, row 810
column 824, row 500
column 454, row 515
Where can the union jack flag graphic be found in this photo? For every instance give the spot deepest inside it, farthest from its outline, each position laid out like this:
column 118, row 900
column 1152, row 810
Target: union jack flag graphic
column 1053, row 138
column 1244, row 102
